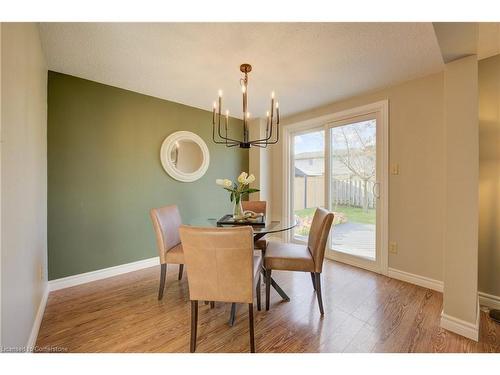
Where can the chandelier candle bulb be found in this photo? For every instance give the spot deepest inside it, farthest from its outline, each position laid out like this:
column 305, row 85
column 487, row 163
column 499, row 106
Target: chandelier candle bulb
column 220, row 104
column 272, row 107
column 213, row 114
column 278, row 112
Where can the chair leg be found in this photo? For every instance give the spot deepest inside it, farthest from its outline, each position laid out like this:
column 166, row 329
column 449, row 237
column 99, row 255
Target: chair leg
column 163, row 274
column 194, row 325
column 257, row 291
column 181, row 268
column 313, row 279
column 250, row 323
column 268, row 288
column 212, row 304
column 318, row 292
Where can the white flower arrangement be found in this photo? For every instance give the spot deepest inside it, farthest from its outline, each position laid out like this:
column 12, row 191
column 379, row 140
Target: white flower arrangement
column 239, row 189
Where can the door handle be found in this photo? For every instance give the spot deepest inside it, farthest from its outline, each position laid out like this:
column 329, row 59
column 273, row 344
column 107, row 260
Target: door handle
column 376, row 190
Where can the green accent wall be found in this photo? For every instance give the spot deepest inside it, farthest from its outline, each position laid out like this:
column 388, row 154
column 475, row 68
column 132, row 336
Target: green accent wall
column 105, row 174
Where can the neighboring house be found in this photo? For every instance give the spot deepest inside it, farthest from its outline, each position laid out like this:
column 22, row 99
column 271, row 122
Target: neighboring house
column 309, row 182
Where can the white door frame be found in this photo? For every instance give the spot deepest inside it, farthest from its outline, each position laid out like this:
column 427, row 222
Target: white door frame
column 323, row 122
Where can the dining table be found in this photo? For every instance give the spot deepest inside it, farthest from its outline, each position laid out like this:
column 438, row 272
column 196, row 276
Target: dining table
column 259, row 231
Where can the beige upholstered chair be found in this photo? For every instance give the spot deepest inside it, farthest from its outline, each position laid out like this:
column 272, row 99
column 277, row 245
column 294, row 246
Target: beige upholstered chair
column 305, row 258
column 221, row 266
column 260, row 208
column 166, row 223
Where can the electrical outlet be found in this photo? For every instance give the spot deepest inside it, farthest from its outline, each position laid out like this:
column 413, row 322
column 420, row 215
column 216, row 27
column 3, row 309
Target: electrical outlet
column 395, row 169
column 393, row 248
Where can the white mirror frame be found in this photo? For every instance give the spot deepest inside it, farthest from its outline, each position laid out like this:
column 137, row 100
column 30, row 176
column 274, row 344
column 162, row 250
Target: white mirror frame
column 166, row 149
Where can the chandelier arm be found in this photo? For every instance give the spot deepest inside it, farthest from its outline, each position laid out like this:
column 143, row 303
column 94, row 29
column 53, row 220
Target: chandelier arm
column 225, row 141
column 232, row 142
column 226, row 138
column 266, row 141
column 270, row 134
column 213, row 135
column 259, row 145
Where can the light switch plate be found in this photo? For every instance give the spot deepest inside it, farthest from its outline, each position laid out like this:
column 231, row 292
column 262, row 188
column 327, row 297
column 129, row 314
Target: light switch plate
column 395, row 169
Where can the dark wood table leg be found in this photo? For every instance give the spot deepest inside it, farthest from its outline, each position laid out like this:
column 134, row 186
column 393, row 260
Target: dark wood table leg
column 232, row 315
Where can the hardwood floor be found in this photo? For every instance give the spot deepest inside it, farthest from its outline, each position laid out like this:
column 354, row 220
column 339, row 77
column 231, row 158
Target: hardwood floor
column 364, row 312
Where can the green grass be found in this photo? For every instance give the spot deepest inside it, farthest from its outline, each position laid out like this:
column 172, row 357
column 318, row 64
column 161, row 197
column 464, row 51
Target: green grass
column 305, row 212
column 353, row 214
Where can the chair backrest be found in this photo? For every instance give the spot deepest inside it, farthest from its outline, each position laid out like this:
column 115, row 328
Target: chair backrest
column 318, row 235
column 219, row 263
column 166, row 222
column 255, row 206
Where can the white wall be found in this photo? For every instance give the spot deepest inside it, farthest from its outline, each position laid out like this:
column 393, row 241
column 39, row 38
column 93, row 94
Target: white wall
column 489, row 176
column 462, row 179
column 23, row 180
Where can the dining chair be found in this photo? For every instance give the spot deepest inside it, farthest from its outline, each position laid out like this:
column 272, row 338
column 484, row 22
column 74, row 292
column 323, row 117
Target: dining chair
column 166, row 222
column 221, row 266
column 304, row 258
column 260, row 208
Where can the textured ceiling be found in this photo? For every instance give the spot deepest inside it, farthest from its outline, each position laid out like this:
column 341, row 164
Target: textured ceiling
column 307, row 64
column 488, row 39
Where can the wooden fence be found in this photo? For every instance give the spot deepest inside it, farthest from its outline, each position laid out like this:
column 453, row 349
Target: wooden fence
column 310, row 192
column 352, row 193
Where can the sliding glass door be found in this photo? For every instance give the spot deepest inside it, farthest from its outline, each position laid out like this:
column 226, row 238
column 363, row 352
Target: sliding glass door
column 353, row 189
column 308, row 179
column 342, row 166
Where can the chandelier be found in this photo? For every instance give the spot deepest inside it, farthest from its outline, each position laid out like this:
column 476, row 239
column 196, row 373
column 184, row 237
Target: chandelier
column 220, row 136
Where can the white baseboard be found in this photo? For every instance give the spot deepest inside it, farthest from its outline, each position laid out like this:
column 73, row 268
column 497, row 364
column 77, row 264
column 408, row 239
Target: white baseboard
column 461, row 327
column 104, row 273
column 411, row 278
column 489, row 300
column 38, row 321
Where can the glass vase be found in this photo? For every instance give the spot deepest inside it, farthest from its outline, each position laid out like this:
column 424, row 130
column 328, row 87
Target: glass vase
column 238, row 210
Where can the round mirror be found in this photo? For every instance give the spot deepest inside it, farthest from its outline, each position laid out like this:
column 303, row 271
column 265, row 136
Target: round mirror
column 184, row 156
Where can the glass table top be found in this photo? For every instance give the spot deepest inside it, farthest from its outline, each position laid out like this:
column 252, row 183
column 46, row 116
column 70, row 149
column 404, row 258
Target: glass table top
column 269, row 227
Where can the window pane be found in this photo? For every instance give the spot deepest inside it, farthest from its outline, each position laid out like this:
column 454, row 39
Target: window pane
column 308, row 179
